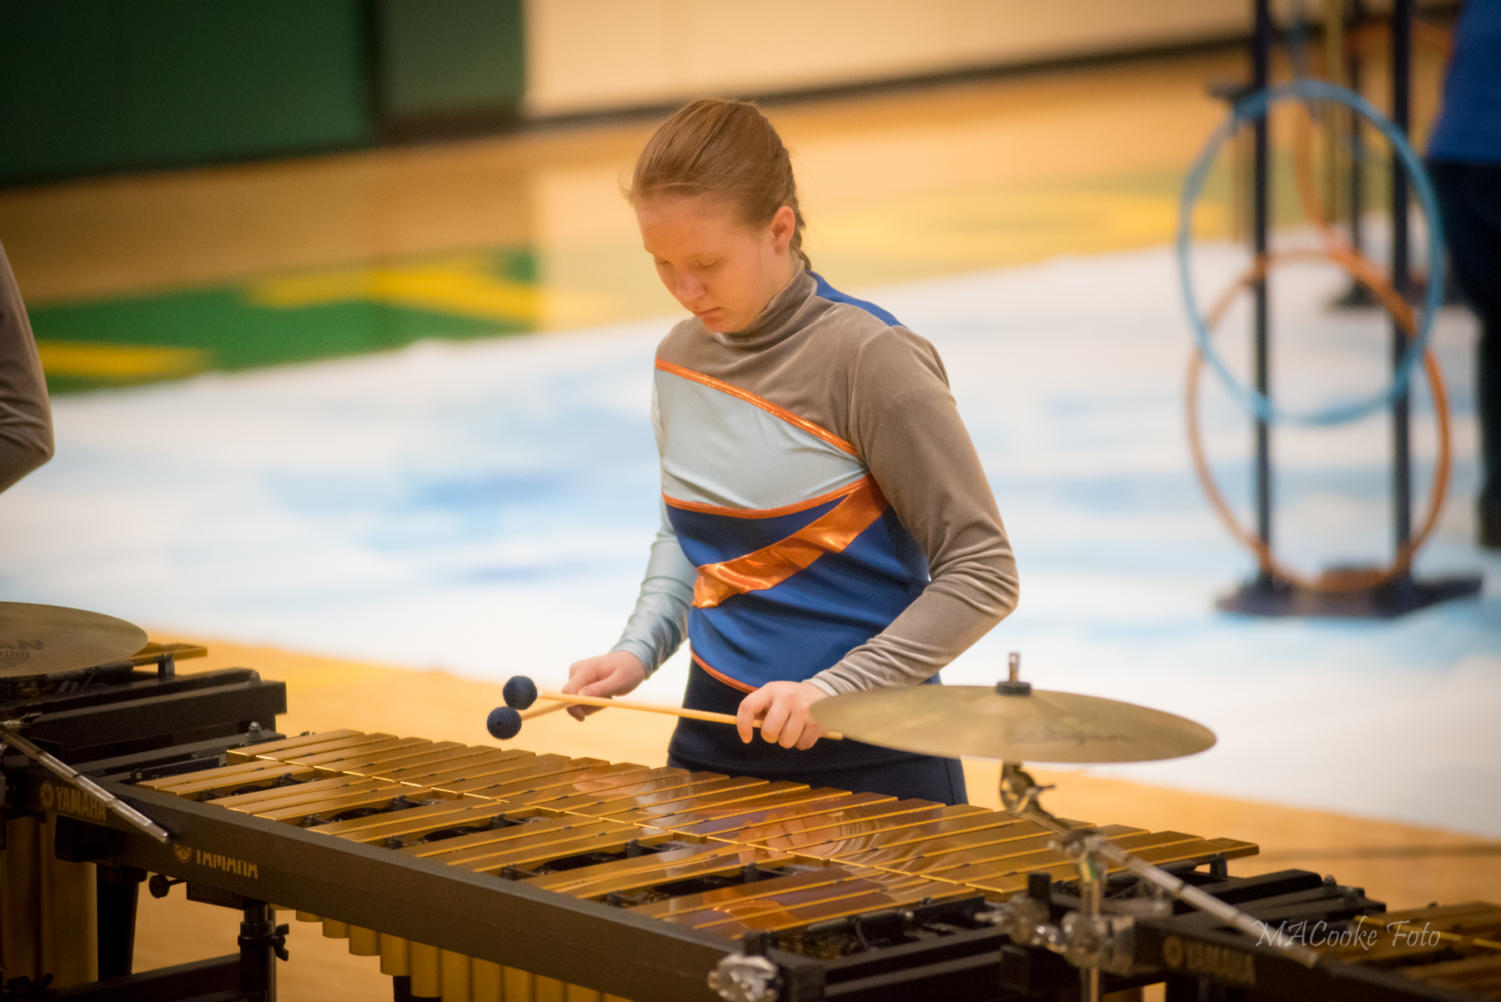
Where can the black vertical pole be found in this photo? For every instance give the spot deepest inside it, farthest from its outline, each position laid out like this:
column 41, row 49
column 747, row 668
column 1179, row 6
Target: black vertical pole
column 118, row 892
column 1260, row 75
column 259, row 945
column 1401, row 281
column 1353, row 66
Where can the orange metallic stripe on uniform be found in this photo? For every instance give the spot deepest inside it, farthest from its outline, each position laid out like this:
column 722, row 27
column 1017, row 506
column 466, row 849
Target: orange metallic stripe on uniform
column 733, row 683
column 786, row 509
column 769, row 566
column 765, row 405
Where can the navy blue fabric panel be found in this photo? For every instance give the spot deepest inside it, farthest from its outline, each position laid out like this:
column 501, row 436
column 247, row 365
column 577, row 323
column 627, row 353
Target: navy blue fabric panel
column 717, row 747
column 707, row 538
column 886, row 547
column 756, row 641
column 811, row 620
column 826, row 291
column 1469, row 124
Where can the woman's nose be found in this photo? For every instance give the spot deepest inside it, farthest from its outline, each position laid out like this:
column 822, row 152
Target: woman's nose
column 689, row 288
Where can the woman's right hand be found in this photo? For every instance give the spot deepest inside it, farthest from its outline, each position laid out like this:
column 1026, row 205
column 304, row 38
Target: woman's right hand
column 612, row 674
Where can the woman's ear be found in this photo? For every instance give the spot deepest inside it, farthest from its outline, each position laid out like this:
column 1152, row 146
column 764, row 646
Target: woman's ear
column 783, row 226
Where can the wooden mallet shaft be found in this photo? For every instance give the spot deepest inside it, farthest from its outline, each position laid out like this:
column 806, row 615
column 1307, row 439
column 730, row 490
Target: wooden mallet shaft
column 538, row 711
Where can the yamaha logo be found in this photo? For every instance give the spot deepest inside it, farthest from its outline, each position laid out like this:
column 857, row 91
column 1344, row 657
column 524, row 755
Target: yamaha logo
column 1235, row 967
column 72, row 802
column 217, row 861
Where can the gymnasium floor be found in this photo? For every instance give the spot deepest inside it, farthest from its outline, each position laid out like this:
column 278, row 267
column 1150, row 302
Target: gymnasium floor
column 399, row 516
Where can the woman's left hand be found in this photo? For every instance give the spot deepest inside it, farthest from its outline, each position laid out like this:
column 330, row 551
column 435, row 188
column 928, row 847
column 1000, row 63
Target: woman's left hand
column 782, row 708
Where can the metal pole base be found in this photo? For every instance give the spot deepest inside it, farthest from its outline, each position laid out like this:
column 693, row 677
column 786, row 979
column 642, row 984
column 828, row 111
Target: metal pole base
column 1268, row 596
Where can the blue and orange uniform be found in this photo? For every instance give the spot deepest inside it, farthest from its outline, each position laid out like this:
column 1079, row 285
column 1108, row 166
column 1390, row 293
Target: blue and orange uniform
column 824, row 518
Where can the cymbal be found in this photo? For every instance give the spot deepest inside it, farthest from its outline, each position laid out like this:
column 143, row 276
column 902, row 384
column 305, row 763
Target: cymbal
column 1034, row 725
column 38, row 639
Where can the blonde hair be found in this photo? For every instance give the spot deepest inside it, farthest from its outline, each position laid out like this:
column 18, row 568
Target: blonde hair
column 714, row 146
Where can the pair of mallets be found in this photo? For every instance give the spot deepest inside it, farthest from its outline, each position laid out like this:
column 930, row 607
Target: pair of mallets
column 521, row 692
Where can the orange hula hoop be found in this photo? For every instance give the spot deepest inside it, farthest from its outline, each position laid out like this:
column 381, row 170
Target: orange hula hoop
column 1366, row 273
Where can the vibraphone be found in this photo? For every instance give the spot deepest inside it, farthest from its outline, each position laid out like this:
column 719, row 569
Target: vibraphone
column 488, row 873
column 719, row 856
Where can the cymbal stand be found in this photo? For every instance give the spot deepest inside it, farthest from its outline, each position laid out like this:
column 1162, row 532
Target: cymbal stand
column 1090, row 939
column 10, row 734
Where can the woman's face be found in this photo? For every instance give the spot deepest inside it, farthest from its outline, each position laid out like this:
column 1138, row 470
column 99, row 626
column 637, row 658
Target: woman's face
column 720, row 269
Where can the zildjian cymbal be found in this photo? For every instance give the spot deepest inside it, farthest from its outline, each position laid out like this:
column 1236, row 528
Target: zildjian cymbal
column 1014, row 723
column 37, row 640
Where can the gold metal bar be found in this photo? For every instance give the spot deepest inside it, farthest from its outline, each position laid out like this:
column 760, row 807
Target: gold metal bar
column 349, row 742
column 303, row 916
column 284, row 796
column 486, row 981
column 817, row 877
column 490, row 761
column 69, row 947
column 794, row 918
column 846, row 826
column 364, row 942
column 1022, row 855
column 831, row 901
column 776, row 901
column 271, row 748
column 334, row 929
column 803, row 814
column 679, row 798
column 718, row 805
column 903, row 847
column 752, row 814
column 564, row 785
column 229, row 777
column 427, row 970
column 454, row 975
column 542, row 765
column 21, row 899
column 497, row 836
column 435, row 755
column 521, row 846
column 1198, row 849
column 412, row 821
column 578, row 993
column 516, row 985
column 584, row 841
column 565, row 881
column 833, row 838
column 365, row 798
column 662, row 868
column 395, row 956
column 548, row 990
column 342, row 761
column 678, row 782
column 652, row 780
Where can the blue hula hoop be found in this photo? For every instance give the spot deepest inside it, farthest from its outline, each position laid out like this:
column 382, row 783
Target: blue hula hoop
column 1255, row 106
